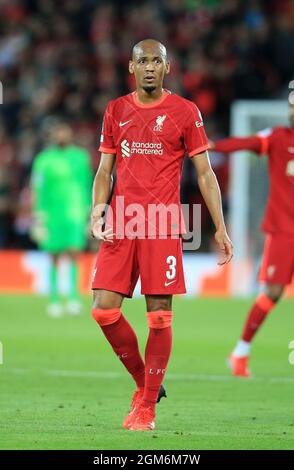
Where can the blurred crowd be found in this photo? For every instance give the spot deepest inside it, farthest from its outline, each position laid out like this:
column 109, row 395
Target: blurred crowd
column 65, row 60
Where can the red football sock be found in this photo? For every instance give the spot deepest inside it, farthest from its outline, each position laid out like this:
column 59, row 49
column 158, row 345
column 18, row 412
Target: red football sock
column 256, row 316
column 157, row 353
column 123, row 340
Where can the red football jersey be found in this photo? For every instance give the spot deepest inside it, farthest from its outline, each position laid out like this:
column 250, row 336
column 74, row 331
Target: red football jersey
column 278, row 143
column 150, row 142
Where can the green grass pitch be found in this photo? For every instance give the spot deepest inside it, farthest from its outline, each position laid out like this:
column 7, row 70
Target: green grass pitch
column 61, row 387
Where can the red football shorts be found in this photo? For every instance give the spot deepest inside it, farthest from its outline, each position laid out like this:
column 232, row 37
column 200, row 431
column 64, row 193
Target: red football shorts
column 278, row 259
column 157, row 261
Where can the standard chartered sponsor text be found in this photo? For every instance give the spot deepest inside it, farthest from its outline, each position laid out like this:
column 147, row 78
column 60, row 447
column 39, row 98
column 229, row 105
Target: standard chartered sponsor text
column 147, row 148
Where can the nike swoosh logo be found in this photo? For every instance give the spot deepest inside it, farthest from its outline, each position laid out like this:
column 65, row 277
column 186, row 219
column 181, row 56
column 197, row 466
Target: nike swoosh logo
column 121, row 124
column 168, row 283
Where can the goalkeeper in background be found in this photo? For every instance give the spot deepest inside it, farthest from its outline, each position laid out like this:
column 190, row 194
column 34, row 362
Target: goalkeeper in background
column 61, row 189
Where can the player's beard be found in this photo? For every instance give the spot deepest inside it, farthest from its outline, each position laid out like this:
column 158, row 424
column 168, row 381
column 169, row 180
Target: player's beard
column 149, row 88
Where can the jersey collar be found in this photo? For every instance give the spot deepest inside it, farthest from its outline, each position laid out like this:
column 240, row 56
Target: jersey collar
column 165, row 94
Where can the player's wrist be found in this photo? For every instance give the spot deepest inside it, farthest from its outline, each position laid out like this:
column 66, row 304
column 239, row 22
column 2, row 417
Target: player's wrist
column 97, row 211
column 221, row 228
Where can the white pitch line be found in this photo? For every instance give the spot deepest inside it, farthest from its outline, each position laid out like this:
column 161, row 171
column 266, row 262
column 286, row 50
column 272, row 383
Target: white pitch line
column 118, row 375
column 86, row 374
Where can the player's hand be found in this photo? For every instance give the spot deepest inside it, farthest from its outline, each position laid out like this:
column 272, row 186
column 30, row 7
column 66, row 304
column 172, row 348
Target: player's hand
column 225, row 246
column 98, row 232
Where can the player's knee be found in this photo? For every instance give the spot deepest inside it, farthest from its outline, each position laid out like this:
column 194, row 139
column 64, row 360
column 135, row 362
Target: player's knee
column 155, row 303
column 274, row 291
column 101, row 304
column 106, row 317
column 104, row 300
column 159, row 319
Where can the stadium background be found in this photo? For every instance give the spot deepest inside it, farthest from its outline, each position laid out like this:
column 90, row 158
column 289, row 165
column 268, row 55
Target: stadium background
column 66, row 60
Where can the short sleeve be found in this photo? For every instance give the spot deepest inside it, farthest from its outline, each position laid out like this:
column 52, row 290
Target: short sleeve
column 265, row 137
column 195, row 139
column 106, row 140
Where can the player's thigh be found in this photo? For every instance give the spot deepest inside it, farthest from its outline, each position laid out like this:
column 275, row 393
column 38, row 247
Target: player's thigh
column 277, row 265
column 116, row 267
column 55, row 242
column 72, row 234
column 77, row 236
column 161, row 266
column 56, row 239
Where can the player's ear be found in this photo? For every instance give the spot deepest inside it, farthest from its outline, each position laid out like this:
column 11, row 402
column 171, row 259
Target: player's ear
column 131, row 66
column 167, row 68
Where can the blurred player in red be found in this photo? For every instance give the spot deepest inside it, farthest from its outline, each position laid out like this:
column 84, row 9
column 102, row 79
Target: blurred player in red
column 277, row 267
column 146, row 134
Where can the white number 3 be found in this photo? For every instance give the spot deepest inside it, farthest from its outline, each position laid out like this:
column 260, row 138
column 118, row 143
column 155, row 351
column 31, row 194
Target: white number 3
column 171, row 273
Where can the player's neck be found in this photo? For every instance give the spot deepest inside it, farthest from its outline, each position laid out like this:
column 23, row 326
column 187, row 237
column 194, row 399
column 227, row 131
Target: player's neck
column 144, row 97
